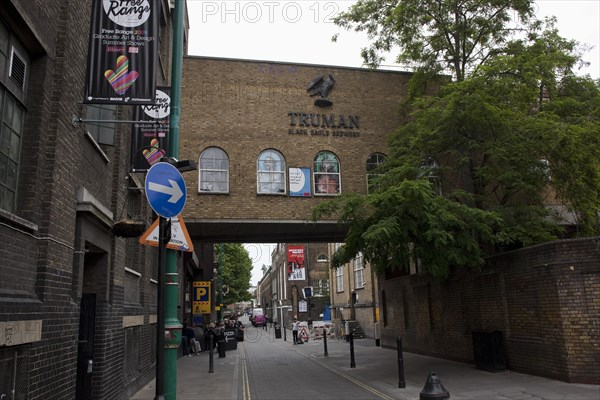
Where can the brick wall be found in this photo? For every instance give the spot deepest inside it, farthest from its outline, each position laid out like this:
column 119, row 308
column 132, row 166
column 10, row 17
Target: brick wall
column 242, row 107
column 544, row 300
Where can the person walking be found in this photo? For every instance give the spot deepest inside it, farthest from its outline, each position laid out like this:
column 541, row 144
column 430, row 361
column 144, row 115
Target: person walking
column 295, row 330
column 185, row 343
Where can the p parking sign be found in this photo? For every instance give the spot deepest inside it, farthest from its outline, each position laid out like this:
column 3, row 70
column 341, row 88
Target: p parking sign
column 201, row 297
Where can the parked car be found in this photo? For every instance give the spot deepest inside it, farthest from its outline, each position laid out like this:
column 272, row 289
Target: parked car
column 258, row 317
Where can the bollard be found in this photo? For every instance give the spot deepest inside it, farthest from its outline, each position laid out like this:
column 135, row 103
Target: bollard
column 351, row 338
column 401, row 381
column 210, row 355
column 221, row 347
column 325, row 343
column 433, row 389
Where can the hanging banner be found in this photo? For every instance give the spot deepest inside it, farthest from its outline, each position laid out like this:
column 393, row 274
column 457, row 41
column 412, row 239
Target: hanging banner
column 201, row 300
column 296, row 263
column 150, row 139
column 123, row 52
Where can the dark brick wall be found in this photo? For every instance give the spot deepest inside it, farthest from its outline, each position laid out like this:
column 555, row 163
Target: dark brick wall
column 544, row 300
column 42, row 274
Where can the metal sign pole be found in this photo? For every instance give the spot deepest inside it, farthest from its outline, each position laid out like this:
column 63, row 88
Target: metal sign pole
column 160, row 323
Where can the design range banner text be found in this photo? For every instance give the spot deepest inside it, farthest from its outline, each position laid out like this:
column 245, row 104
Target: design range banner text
column 123, row 52
column 150, row 132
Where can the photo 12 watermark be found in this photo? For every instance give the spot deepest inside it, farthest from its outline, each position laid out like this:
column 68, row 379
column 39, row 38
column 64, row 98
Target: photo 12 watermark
column 255, row 12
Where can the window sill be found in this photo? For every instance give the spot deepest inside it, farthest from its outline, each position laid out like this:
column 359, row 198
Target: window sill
column 17, row 221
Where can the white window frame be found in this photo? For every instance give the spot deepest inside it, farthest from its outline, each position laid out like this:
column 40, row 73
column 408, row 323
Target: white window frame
column 359, row 266
column 339, row 279
column 271, row 173
column 213, row 166
column 430, row 170
column 373, row 162
column 327, row 178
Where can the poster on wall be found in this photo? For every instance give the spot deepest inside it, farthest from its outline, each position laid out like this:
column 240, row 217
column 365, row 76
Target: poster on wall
column 150, row 139
column 122, row 52
column 296, row 268
column 299, row 182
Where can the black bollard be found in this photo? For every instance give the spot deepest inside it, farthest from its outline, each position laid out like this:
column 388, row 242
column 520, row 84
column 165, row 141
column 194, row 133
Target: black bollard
column 401, row 381
column 325, row 343
column 352, row 363
column 210, row 355
column 221, row 347
column 433, row 389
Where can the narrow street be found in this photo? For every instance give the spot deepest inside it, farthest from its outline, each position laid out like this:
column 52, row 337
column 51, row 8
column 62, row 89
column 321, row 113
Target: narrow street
column 265, row 368
column 277, row 369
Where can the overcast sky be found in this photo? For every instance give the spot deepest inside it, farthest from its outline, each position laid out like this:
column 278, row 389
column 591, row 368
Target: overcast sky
column 300, row 31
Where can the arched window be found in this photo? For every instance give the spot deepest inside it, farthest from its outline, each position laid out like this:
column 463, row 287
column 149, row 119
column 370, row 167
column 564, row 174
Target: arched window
column 430, row 169
column 270, row 173
column 213, row 176
column 326, row 174
column 373, row 162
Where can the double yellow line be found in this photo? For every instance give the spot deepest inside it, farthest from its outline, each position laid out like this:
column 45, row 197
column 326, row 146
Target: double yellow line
column 245, row 381
column 355, row 381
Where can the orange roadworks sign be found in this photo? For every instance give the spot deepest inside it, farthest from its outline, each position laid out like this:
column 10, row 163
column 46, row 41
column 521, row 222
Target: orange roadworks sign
column 180, row 238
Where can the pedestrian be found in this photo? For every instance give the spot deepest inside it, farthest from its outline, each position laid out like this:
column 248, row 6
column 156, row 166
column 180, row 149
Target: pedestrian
column 209, row 336
column 295, row 330
column 220, row 335
column 191, row 337
column 200, row 340
column 185, row 344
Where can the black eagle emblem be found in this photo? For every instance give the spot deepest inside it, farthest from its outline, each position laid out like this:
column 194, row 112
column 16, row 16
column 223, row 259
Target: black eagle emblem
column 321, row 86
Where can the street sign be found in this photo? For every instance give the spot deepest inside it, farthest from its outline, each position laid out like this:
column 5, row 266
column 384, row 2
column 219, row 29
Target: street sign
column 201, row 297
column 179, row 240
column 165, row 189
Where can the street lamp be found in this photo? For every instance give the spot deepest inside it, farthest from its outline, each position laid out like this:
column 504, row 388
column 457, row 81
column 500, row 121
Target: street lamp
column 182, row 166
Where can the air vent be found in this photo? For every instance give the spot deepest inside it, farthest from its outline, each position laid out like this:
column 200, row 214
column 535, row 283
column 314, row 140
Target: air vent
column 17, row 69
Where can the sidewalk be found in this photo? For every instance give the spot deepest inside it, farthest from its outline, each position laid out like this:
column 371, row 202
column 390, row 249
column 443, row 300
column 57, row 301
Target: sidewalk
column 194, row 382
column 376, row 368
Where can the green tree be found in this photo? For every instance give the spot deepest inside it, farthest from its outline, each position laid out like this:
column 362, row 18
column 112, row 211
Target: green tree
column 236, row 270
column 478, row 164
column 435, row 35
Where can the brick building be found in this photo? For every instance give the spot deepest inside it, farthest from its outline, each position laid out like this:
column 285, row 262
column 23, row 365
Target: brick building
column 354, row 294
column 280, row 291
column 77, row 299
column 270, row 114
column 73, row 291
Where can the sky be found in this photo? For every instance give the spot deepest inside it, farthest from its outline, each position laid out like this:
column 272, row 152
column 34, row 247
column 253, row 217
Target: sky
column 260, row 254
column 300, row 31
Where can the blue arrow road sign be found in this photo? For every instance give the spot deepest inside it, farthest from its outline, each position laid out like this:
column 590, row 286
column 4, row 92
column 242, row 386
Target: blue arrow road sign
column 165, row 189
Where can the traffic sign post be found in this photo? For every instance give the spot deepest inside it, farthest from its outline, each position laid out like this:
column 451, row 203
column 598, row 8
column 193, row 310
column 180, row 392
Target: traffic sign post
column 166, row 193
column 168, row 372
column 165, row 190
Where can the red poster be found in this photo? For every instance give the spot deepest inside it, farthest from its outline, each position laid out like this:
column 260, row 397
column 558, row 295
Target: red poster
column 296, row 270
